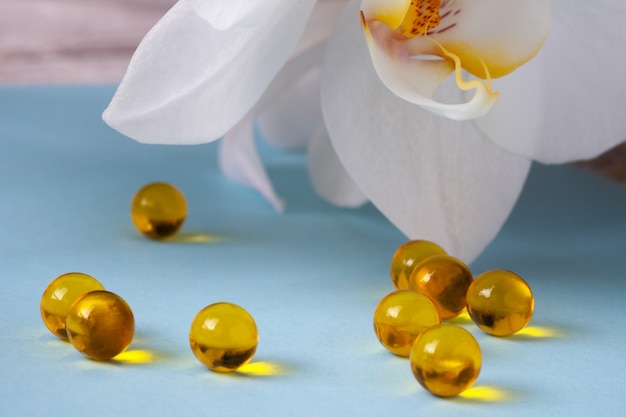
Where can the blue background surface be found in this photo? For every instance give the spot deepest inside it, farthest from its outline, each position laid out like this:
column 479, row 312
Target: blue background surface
column 311, row 277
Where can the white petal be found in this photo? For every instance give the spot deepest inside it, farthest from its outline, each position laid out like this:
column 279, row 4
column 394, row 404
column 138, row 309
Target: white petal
column 320, row 24
column 289, row 120
column 433, row 178
column 223, row 14
column 289, row 111
column 190, row 83
column 515, row 123
column 573, row 95
column 239, row 160
column 290, row 74
column 328, row 176
column 308, row 54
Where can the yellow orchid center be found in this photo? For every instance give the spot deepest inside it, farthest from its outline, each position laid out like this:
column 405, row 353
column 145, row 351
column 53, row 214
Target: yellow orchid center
column 416, row 44
column 421, row 17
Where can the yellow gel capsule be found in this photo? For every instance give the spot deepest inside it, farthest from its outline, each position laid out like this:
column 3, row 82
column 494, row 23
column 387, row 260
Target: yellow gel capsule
column 444, row 279
column 223, row 337
column 100, row 325
column 407, row 257
column 400, row 317
column 158, row 210
column 500, row 302
column 59, row 296
column 446, row 360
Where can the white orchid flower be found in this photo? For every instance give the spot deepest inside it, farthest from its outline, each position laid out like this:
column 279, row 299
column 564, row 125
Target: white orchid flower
column 445, row 179
column 435, row 108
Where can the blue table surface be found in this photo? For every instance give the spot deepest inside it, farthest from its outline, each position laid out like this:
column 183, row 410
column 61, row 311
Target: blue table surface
column 311, row 277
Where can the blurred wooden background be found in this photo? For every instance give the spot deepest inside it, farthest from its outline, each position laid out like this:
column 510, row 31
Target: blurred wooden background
column 91, row 41
column 72, row 41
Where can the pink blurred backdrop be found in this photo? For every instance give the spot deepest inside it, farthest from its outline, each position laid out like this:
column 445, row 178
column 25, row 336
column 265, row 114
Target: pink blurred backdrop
column 72, row 41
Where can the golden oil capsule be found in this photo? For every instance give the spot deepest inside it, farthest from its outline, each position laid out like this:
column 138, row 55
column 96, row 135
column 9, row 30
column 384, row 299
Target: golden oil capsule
column 444, row 279
column 223, row 337
column 500, row 302
column 446, row 360
column 100, row 325
column 400, row 317
column 407, row 257
column 158, row 210
column 59, row 296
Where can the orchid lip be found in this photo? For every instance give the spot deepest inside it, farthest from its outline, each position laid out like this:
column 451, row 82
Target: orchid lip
column 412, row 62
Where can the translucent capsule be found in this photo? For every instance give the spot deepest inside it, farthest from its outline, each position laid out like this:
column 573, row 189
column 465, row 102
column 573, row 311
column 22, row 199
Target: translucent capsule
column 445, row 280
column 158, row 210
column 100, row 325
column 446, row 360
column 407, row 257
column 400, row 317
column 59, row 296
column 500, row 302
column 223, row 337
